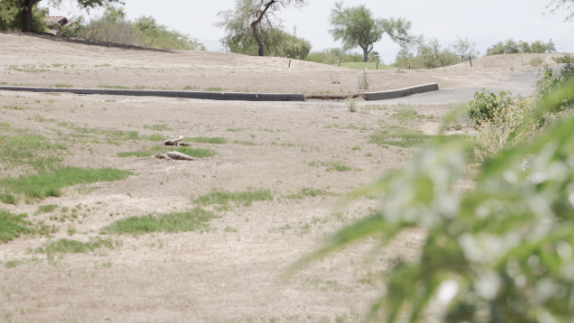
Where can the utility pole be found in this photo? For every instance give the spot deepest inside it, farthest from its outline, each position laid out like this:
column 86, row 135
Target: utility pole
column 295, row 31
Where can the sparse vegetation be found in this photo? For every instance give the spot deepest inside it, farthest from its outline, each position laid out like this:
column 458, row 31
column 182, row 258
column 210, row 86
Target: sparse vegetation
column 13, row 225
column 242, row 198
column 331, row 166
column 73, row 246
column 208, row 140
column 46, row 184
column 192, row 152
column 308, row 192
column 196, row 219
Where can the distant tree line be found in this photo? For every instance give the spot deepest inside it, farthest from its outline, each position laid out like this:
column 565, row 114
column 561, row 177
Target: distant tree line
column 514, row 47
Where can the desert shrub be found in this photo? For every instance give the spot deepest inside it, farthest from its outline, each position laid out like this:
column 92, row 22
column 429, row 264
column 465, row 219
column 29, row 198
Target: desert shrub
column 549, row 80
column 333, row 56
column 536, row 61
column 564, row 59
column 364, row 81
column 114, row 27
column 512, row 47
column 428, row 55
column 486, row 105
column 500, row 252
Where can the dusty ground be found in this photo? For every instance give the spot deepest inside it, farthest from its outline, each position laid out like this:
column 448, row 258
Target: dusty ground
column 229, row 274
column 31, row 61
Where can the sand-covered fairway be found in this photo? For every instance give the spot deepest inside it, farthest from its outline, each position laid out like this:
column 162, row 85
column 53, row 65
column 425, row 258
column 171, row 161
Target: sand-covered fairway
column 228, row 271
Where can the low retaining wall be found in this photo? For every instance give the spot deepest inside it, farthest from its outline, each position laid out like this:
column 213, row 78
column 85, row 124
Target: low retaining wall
column 168, row 94
column 392, row 94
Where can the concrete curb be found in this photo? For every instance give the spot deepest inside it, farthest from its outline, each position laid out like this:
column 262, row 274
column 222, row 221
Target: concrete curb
column 237, row 96
column 400, row 92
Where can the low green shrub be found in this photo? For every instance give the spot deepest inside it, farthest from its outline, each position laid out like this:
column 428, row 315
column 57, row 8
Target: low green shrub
column 486, row 105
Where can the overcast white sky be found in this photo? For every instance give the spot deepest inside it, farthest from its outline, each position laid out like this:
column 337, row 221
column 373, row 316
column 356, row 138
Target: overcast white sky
column 484, row 22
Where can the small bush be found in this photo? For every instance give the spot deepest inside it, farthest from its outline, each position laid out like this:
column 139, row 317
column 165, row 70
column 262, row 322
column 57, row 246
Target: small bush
column 564, row 59
column 486, row 105
column 352, row 105
column 536, row 61
column 549, row 80
column 364, row 81
column 193, row 220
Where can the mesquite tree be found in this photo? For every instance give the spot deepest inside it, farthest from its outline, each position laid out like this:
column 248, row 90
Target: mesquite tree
column 27, row 5
column 258, row 15
column 356, row 27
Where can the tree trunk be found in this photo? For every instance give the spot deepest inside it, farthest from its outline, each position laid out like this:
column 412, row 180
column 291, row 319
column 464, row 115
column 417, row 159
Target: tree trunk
column 258, row 40
column 365, row 54
column 27, row 19
column 254, row 27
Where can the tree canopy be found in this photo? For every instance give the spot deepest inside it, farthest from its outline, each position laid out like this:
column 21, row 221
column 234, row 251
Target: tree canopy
column 11, row 9
column 356, row 27
column 258, row 16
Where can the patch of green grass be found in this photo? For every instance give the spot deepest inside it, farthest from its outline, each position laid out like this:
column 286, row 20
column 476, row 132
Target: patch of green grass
column 31, row 69
column 196, row 219
column 20, row 148
column 356, row 148
column 229, row 229
column 63, row 85
column 12, row 225
column 215, row 89
column 158, row 127
column 12, row 263
column 46, row 184
column 192, row 152
column 8, row 199
column 234, row 129
column 244, row 198
column 111, row 101
column 191, row 88
column 246, row 143
column 208, row 140
column 114, row 87
column 308, row 192
column 46, row 209
column 367, row 65
column 73, row 246
column 156, row 137
column 12, row 107
column 404, row 137
column 331, row 166
column 110, row 135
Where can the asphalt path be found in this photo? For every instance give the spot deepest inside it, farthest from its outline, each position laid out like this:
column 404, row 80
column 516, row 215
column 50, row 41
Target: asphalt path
column 516, row 84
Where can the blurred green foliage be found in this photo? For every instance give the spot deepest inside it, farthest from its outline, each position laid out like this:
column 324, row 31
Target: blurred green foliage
column 501, row 251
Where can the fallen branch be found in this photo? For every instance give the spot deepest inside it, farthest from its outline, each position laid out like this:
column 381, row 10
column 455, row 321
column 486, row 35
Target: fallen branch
column 179, row 156
column 174, row 142
column 162, row 156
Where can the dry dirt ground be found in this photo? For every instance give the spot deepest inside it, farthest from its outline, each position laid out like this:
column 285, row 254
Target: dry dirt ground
column 231, row 272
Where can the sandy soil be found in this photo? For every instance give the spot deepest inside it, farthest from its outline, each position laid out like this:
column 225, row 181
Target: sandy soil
column 229, row 274
column 40, row 62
